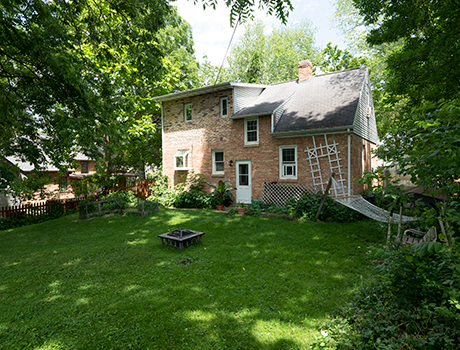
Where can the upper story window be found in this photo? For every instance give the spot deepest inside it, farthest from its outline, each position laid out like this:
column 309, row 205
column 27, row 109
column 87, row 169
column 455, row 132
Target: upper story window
column 181, row 160
column 218, row 163
column 251, row 131
column 188, row 112
column 224, row 107
column 288, row 162
column 84, row 166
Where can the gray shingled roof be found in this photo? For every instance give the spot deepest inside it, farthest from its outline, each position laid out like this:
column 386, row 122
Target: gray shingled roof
column 324, row 101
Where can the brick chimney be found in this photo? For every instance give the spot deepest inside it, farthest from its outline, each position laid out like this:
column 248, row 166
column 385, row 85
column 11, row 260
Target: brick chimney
column 305, row 69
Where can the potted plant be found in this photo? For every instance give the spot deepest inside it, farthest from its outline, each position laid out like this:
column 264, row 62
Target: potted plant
column 221, row 191
column 241, row 207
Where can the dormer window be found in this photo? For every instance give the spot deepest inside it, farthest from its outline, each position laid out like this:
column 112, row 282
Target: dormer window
column 181, row 160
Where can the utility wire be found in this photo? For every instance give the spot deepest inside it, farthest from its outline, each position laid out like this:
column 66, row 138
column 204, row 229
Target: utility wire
column 226, row 52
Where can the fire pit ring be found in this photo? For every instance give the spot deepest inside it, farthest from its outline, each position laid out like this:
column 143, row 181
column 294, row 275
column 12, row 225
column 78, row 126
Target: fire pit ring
column 181, row 238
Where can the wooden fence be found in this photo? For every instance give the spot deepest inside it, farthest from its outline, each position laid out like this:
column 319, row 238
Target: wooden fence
column 140, row 189
column 37, row 209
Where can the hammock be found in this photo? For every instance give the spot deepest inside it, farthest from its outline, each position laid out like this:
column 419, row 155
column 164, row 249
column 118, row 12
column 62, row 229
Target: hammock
column 372, row 211
column 366, row 208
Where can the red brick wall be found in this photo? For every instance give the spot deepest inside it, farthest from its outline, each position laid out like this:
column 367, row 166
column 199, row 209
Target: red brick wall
column 208, row 131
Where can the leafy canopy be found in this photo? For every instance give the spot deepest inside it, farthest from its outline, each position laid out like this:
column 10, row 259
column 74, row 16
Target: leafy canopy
column 263, row 58
column 83, row 72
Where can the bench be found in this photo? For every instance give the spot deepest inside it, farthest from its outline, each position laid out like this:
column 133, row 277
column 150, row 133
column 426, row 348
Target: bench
column 412, row 236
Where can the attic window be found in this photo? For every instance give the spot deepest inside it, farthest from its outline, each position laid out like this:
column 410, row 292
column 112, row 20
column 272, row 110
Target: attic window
column 181, row 160
column 188, row 112
column 224, row 107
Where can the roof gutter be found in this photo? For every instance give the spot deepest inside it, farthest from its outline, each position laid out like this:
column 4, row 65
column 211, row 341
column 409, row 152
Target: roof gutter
column 204, row 90
column 250, row 115
column 312, row 132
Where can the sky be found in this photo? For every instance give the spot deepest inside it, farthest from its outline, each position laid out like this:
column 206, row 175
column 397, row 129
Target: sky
column 212, row 31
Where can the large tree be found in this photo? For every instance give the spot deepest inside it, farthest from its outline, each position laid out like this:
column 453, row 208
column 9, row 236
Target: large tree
column 425, row 67
column 264, row 58
column 423, row 73
column 72, row 72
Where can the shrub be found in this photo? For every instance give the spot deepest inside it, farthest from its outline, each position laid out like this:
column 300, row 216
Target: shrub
column 307, row 206
column 193, row 199
column 125, row 197
column 414, row 303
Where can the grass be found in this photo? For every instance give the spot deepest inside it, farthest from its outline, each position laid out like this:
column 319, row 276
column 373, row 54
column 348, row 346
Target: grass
column 107, row 283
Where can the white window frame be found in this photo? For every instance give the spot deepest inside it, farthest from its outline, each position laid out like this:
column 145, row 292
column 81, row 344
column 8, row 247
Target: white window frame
column 246, row 142
column 285, row 165
column 184, row 154
column 222, row 106
column 186, row 105
column 214, row 163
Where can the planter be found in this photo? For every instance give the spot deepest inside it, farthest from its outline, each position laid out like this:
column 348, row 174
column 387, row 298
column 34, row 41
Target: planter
column 241, row 211
column 220, row 207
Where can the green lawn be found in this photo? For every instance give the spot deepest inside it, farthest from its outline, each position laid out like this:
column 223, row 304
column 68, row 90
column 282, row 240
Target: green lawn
column 107, row 283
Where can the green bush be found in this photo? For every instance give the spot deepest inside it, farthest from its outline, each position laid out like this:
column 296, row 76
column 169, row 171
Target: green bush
column 193, row 199
column 189, row 194
column 414, row 303
column 125, row 197
column 307, row 206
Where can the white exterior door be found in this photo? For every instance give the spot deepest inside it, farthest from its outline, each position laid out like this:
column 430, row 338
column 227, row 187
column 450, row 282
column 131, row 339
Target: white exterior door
column 243, row 182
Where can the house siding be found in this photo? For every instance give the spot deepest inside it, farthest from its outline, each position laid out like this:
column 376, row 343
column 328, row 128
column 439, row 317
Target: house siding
column 244, row 96
column 209, row 131
column 365, row 124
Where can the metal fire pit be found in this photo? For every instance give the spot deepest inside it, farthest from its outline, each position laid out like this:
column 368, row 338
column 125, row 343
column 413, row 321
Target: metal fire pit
column 181, row 238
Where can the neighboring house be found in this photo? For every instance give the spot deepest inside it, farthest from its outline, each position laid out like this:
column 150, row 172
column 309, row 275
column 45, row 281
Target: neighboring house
column 6, row 199
column 60, row 187
column 295, row 132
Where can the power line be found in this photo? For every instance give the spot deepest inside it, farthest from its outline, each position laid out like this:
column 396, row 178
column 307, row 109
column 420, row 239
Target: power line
column 226, row 52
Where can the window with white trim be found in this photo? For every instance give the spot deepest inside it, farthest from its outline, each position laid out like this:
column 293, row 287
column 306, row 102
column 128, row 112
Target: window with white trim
column 188, row 112
column 224, row 107
column 251, row 131
column 288, row 162
column 218, row 162
column 181, row 160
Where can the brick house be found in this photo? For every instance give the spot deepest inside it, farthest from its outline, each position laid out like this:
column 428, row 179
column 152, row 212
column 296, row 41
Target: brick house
column 294, row 132
column 59, row 187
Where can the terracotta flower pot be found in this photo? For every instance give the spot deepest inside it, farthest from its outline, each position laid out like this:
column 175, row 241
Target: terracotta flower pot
column 220, row 207
column 241, row 211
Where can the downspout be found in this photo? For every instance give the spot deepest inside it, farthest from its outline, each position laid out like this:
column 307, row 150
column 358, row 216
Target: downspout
column 162, row 143
column 349, row 162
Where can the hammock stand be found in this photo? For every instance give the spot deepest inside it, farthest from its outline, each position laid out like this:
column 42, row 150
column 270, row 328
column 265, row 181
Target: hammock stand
column 364, row 207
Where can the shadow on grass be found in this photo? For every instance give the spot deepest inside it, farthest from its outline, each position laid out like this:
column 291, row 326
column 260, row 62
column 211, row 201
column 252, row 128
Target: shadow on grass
column 254, row 283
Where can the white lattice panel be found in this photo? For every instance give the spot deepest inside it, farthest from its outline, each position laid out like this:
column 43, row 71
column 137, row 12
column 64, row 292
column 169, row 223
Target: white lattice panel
column 280, row 194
